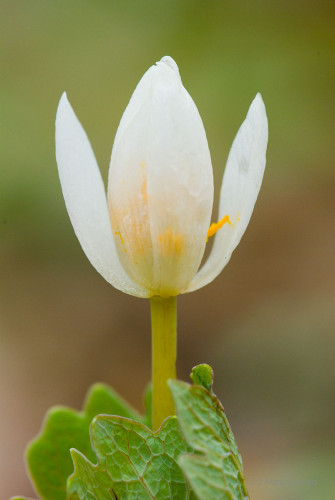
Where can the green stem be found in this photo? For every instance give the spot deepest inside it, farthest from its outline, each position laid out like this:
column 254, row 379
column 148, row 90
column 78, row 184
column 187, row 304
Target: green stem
column 164, row 355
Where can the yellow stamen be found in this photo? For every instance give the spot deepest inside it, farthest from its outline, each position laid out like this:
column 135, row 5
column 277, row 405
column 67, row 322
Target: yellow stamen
column 215, row 226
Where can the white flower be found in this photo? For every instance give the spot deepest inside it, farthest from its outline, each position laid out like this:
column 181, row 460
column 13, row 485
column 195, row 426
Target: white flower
column 150, row 237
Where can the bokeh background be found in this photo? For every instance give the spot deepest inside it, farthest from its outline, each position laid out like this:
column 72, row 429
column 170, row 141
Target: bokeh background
column 267, row 324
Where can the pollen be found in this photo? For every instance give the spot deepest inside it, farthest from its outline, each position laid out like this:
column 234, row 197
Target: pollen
column 215, row 226
column 171, row 243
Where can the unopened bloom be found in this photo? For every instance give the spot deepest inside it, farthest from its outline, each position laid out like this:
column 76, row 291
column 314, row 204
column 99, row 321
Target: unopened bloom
column 149, row 235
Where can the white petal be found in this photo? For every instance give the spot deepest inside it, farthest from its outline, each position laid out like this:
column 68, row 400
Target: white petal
column 85, row 199
column 240, row 187
column 160, row 187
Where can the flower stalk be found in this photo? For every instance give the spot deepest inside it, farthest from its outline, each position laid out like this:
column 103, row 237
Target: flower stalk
column 164, row 355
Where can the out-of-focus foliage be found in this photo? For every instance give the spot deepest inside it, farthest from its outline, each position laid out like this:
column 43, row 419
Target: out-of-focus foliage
column 268, row 321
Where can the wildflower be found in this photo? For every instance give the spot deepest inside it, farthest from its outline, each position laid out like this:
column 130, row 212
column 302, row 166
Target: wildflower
column 149, row 235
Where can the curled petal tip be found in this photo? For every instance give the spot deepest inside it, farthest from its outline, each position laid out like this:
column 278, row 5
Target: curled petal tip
column 258, row 97
column 258, row 106
column 63, row 98
column 257, row 116
column 64, row 107
column 168, row 61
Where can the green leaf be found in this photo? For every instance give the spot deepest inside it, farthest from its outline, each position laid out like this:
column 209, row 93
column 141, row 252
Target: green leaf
column 88, row 481
column 142, row 464
column 216, row 470
column 48, row 455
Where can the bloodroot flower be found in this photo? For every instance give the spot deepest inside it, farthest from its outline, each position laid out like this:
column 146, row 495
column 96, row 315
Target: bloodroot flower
column 149, row 235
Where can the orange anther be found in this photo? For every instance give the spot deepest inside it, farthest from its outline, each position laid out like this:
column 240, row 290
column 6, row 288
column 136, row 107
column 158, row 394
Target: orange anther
column 215, row 226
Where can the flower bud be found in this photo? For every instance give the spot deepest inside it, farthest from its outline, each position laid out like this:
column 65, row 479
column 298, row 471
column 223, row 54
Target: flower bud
column 160, row 189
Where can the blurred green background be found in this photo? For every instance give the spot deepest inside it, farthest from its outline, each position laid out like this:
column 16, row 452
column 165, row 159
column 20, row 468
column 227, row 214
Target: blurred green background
column 267, row 324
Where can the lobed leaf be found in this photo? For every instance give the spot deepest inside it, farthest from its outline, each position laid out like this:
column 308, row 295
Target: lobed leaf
column 88, row 482
column 141, row 464
column 216, row 471
column 48, row 456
